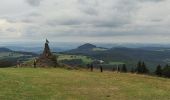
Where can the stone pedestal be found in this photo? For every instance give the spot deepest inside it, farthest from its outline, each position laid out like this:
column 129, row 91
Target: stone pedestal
column 47, row 59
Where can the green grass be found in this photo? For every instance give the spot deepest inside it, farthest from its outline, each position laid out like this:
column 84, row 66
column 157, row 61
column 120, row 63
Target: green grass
column 85, row 59
column 99, row 49
column 116, row 63
column 4, row 55
column 62, row 84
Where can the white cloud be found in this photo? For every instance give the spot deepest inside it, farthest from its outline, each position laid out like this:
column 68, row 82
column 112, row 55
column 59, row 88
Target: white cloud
column 90, row 20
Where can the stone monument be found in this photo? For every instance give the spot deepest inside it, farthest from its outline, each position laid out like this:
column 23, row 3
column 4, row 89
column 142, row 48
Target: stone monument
column 46, row 59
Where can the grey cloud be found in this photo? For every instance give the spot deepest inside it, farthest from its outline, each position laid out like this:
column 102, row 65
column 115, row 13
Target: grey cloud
column 63, row 22
column 108, row 14
column 27, row 20
column 34, row 2
column 111, row 24
column 30, row 31
column 11, row 30
column 89, row 18
column 152, row 0
column 87, row 7
column 10, row 19
column 90, row 11
column 34, row 14
column 157, row 20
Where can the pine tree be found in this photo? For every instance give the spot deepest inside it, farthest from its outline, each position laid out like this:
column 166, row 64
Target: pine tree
column 139, row 67
column 144, row 69
column 166, row 71
column 158, row 70
column 124, row 69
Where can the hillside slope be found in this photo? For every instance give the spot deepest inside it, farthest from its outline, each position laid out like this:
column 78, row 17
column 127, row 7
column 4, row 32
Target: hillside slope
column 61, row 84
column 9, row 58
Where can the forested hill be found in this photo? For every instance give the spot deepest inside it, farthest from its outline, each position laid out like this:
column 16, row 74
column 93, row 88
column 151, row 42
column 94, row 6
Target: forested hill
column 9, row 57
column 130, row 56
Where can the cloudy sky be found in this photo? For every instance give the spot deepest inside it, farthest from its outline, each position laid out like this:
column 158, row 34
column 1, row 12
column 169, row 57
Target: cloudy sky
column 107, row 21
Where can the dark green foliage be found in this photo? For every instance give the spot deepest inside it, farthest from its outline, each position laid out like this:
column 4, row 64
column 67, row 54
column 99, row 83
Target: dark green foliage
column 118, row 69
column 158, row 70
column 72, row 62
column 88, row 66
column 132, row 70
column 7, row 63
column 113, row 69
column 141, row 68
column 91, row 67
column 144, row 69
column 130, row 55
column 124, row 69
column 166, row 71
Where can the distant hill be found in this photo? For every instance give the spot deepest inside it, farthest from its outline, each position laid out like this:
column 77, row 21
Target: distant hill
column 86, row 49
column 156, row 48
column 9, row 57
column 37, row 50
column 130, row 56
column 2, row 49
column 86, row 46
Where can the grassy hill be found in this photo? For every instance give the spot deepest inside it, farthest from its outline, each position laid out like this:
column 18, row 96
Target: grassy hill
column 62, row 84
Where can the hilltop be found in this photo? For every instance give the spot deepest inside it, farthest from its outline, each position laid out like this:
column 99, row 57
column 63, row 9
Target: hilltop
column 87, row 46
column 86, row 49
column 62, row 84
column 2, row 49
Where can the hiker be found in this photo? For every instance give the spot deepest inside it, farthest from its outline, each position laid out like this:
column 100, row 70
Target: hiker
column 88, row 66
column 101, row 69
column 91, row 66
column 35, row 63
column 18, row 63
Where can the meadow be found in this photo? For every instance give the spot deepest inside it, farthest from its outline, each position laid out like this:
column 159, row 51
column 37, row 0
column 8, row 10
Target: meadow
column 63, row 84
column 85, row 59
column 4, row 55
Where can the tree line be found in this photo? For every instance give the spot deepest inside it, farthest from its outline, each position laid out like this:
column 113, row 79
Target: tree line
column 163, row 71
column 141, row 68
